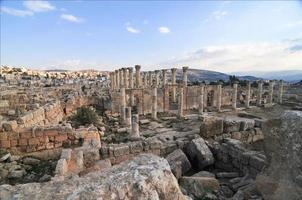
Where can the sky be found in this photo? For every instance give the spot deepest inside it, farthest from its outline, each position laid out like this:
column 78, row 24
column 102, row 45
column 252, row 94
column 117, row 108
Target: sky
column 225, row 36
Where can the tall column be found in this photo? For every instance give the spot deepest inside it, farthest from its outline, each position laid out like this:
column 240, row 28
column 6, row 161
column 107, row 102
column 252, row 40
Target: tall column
column 145, row 79
column 248, row 95
column 135, row 127
column 150, row 79
column 271, row 91
column 123, row 104
column 121, row 78
column 219, row 96
column 117, row 78
column 173, row 70
column 111, row 80
column 156, row 78
column 200, row 100
column 280, row 91
column 234, row 97
column 131, row 98
column 128, row 116
column 125, row 77
column 185, row 76
column 130, row 69
column 154, row 102
column 259, row 99
column 166, row 98
column 164, row 72
column 181, row 102
column 138, row 75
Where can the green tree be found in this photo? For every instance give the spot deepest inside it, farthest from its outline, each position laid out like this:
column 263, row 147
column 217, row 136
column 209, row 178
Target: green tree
column 84, row 116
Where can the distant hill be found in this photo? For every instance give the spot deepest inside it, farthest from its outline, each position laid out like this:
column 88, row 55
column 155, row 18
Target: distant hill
column 286, row 75
column 206, row 75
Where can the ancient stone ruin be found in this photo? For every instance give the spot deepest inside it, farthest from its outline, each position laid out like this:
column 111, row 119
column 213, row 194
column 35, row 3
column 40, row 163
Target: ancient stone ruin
column 157, row 135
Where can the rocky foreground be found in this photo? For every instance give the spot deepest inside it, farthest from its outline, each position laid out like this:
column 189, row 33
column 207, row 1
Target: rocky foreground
column 145, row 177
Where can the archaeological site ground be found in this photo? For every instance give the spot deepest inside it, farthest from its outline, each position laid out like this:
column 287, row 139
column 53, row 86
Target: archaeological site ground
column 134, row 134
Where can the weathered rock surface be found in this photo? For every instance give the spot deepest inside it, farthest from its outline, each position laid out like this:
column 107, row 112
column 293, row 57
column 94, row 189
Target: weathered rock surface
column 198, row 186
column 283, row 148
column 199, row 153
column 179, row 163
column 145, row 177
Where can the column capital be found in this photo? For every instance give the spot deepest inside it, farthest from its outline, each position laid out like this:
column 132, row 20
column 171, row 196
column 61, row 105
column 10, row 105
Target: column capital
column 173, row 69
column 130, row 69
column 137, row 67
column 185, row 68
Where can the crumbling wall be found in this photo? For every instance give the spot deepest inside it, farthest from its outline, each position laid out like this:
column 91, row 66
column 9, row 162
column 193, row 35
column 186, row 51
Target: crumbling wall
column 39, row 138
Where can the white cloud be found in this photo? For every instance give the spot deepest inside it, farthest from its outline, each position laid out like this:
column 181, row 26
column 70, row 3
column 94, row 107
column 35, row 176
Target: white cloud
column 38, row 6
column 216, row 15
column 244, row 57
column 164, row 30
column 16, row 12
column 131, row 29
column 71, row 18
column 219, row 14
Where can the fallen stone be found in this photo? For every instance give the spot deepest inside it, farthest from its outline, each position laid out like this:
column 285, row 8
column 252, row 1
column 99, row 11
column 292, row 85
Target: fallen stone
column 177, row 159
column 144, row 121
column 199, row 153
column 31, row 161
column 145, row 177
column 227, row 174
column 198, row 186
column 204, row 174
column 5, row 157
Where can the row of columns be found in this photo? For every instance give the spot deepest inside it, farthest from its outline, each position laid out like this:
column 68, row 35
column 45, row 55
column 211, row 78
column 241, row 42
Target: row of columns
column 124, row 78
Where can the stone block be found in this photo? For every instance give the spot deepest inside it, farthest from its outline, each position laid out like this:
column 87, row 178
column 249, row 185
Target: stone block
column 136, row 147
column 199, row 153
column 66, row 154
column 5, row 144
column 121, row 150
column 62, row 167
column 178, row 160
column 33, row 141
column 61, row 138
column 10, row 125
column 211, row 126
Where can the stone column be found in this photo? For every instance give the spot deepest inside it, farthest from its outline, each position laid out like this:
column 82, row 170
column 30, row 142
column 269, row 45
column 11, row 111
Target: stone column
column 128, row 116
column 248, row 95
column 138, row 75
column 154, row 103
column 156, row 78
column 130, row 69
column 219, row 96
column 185, row 76
column 280, row 91
column 164, row 72
column 135, row 127
column 166, row 98
column 150, row 79
column 259, row 98
column 200, row 100
column 125, row 77
column 111, row 81
column 117, row 73
column 173, row 70
column 181, row 102
column 145, row 79
column 121, row 78
column 234, row 96
column 271, row 91
column 131, row 98
column 123, row 104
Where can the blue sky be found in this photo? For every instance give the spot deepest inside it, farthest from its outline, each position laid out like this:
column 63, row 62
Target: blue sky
column 216, row 35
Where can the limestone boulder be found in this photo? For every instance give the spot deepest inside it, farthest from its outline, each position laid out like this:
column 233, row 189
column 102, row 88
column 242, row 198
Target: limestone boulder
column 179, row 163
column 198, row 186
column 145, row 177
column 199, row 153
column 211, row 126
column 283, row 148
